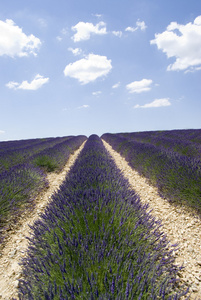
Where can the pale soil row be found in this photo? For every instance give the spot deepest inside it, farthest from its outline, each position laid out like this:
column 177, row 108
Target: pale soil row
column 16, row 244
column 179, row 224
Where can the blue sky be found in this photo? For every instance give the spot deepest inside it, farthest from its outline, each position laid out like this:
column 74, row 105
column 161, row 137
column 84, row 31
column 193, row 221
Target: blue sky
column 84, row 67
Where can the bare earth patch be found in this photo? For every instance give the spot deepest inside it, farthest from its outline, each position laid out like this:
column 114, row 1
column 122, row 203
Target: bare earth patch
column 180, row 225
column 16, row 244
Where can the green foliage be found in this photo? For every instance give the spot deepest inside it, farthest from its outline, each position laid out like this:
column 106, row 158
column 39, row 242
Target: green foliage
column 46, row 162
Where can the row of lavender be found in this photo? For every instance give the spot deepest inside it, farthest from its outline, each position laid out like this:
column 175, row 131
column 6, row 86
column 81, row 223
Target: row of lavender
column 13, row 153
column 185, row 142
column 160, row 157
column 25, row 173
column 96, row 240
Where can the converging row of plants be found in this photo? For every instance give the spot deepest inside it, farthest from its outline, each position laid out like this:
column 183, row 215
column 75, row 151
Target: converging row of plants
column 25, row 174
column 176, row 175
column 184, row 141
column 13, row 153
column 54, row 158
column 96, row 240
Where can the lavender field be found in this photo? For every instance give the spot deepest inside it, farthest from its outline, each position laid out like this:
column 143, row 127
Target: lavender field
column 95, row 239
column 170, row 160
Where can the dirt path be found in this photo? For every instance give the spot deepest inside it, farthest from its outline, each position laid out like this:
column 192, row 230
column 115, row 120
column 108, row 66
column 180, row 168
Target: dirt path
column 179, row 224
column 14, row 250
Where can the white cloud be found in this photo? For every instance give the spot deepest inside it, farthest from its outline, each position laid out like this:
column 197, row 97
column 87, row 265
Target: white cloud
column 192, row 70
column 183, row 42
column 2, row 132
column 13, row 42
column 139, row 86
column 115, row 86
column 98, row 93
column 84, row 106
column 97, row 15
column 131, row 29
column 84, row 30
column 89, row 68
column 156, row 103
column 63, row 33
column 76, row 51
column 59, row 38
column 139, row 25
column 117, row 33
column 35, row 84
column 12, row 85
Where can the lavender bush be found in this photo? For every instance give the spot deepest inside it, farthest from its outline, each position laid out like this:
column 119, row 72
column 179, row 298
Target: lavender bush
column 177, row 176
column 18, row 188
column 96, row 240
